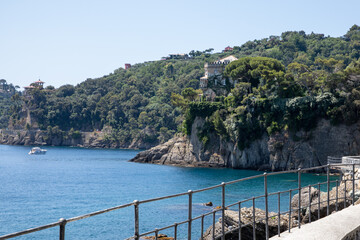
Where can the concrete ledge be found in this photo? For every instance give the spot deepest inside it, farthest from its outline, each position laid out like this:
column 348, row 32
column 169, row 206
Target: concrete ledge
column 340, row 225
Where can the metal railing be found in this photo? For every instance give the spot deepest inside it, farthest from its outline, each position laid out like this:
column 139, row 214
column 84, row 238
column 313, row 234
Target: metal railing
column 351, row 160
column 241, row 224
column 334, row 160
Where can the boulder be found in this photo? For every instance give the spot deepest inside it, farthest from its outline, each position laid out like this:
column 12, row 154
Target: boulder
column 231, row 222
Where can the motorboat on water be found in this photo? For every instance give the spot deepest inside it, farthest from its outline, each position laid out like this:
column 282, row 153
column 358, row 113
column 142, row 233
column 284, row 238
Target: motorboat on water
column 37, row 150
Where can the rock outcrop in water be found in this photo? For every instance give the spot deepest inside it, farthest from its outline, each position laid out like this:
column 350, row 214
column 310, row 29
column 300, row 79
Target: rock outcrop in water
column 276, row 152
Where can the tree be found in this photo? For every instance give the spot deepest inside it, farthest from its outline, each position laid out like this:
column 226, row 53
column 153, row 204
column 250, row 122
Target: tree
column 179, row 101
column 353, row 33
column 194, row 53
column 190, row 94
column 210, row 50
column 3, row 84
column 310, row 80
column 65, row 90
column 329, row 65
column 261, row 72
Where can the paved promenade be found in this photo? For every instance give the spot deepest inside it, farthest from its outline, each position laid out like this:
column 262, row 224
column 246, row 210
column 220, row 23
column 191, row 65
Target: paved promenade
column 334, row 227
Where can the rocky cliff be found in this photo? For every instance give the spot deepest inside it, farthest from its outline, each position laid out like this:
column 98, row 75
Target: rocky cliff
column 38, row 137
column 96, row 139
column 276, row 152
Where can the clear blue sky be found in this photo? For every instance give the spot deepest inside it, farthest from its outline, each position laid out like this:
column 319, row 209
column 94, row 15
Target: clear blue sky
column 68, row 41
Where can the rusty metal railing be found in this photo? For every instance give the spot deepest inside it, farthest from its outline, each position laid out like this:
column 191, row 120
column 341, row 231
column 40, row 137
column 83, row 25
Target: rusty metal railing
column 136, row 205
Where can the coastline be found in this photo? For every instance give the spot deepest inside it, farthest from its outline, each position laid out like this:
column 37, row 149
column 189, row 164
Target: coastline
column 96, row 139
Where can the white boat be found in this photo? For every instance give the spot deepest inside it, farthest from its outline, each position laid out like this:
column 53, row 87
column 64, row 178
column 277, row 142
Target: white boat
column 37, row 150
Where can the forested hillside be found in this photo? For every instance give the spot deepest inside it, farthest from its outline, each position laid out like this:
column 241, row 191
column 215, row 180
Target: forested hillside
column 7, row 91
column 294, row 79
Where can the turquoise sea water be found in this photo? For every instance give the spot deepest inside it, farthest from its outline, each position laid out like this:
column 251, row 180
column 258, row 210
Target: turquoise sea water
column 67, row 182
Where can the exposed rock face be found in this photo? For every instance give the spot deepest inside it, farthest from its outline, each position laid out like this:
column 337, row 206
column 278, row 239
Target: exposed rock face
column 232, row 223
column 38, row 137
column 86, row 139
column 313, row 147
column 277, row 152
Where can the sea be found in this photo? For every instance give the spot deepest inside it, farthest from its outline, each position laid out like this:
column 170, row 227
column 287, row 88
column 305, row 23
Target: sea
column 67, row 182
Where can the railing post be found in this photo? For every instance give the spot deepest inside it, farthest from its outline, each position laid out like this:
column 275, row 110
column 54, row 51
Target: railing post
column 328, row 190
column 279, row 214
column 202, row 227
column 136, row 219
column 156, row 234
column 213, row 223
column 290, row 210
column 266, row 207
column 240, row 221
column 319, row 187
column 353, row 184
column 175, row 231
column 345, row 192
column 254, row 227
column 299, row 198
column 309, row 203
column 190, row 214
column 337, row 197
column 223, row 210
column 62, row 228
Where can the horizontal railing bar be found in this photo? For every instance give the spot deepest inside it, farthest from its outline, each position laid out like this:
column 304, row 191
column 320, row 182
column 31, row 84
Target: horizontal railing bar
column 343, row 164
column 208, row 188
column 147, row 233
column 282, row 172
column 245, row 225
column 260, row 196
column 163, row 228
column 313, row 168
column 209, row 213
column 230, row 205
column 179, row 223
column 200, row 216
column 162, row 198
column 246, row 200
column 97, row 212
column 244, row 179
column 36, row 229
column 285, row 191
column 233, row 204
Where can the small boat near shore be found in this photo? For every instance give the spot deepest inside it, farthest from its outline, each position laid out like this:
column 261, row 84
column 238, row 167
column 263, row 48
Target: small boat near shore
column 37, row 150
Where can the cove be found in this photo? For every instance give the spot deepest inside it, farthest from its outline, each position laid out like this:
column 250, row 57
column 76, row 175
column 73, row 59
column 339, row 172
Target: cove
column 67, row 182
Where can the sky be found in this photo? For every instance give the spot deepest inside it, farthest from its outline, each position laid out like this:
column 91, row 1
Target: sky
column 68, row 41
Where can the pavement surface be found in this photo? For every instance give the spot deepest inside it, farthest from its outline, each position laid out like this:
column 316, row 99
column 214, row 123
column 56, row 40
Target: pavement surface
column 333, row 227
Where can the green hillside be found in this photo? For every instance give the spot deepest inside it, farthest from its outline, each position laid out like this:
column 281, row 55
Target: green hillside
column 307, row 73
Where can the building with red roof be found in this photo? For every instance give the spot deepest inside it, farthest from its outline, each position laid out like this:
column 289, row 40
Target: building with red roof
column 228, row 49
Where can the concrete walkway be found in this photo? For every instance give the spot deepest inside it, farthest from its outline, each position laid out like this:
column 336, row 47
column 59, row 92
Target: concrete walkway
column 334, row 227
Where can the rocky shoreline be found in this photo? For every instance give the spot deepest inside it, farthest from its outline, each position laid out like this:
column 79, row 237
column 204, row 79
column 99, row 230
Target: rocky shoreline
column 280, row 151
column 96, row 139
column 231, row 219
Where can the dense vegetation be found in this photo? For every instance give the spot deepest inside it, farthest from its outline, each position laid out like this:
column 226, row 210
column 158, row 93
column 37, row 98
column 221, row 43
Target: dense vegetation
column 128, row 104
column 7, row 91
column 271, row 96
column 5, row 104
column 285, row 82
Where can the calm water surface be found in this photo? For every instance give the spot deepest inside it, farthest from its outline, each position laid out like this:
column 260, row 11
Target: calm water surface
column 67, row 182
